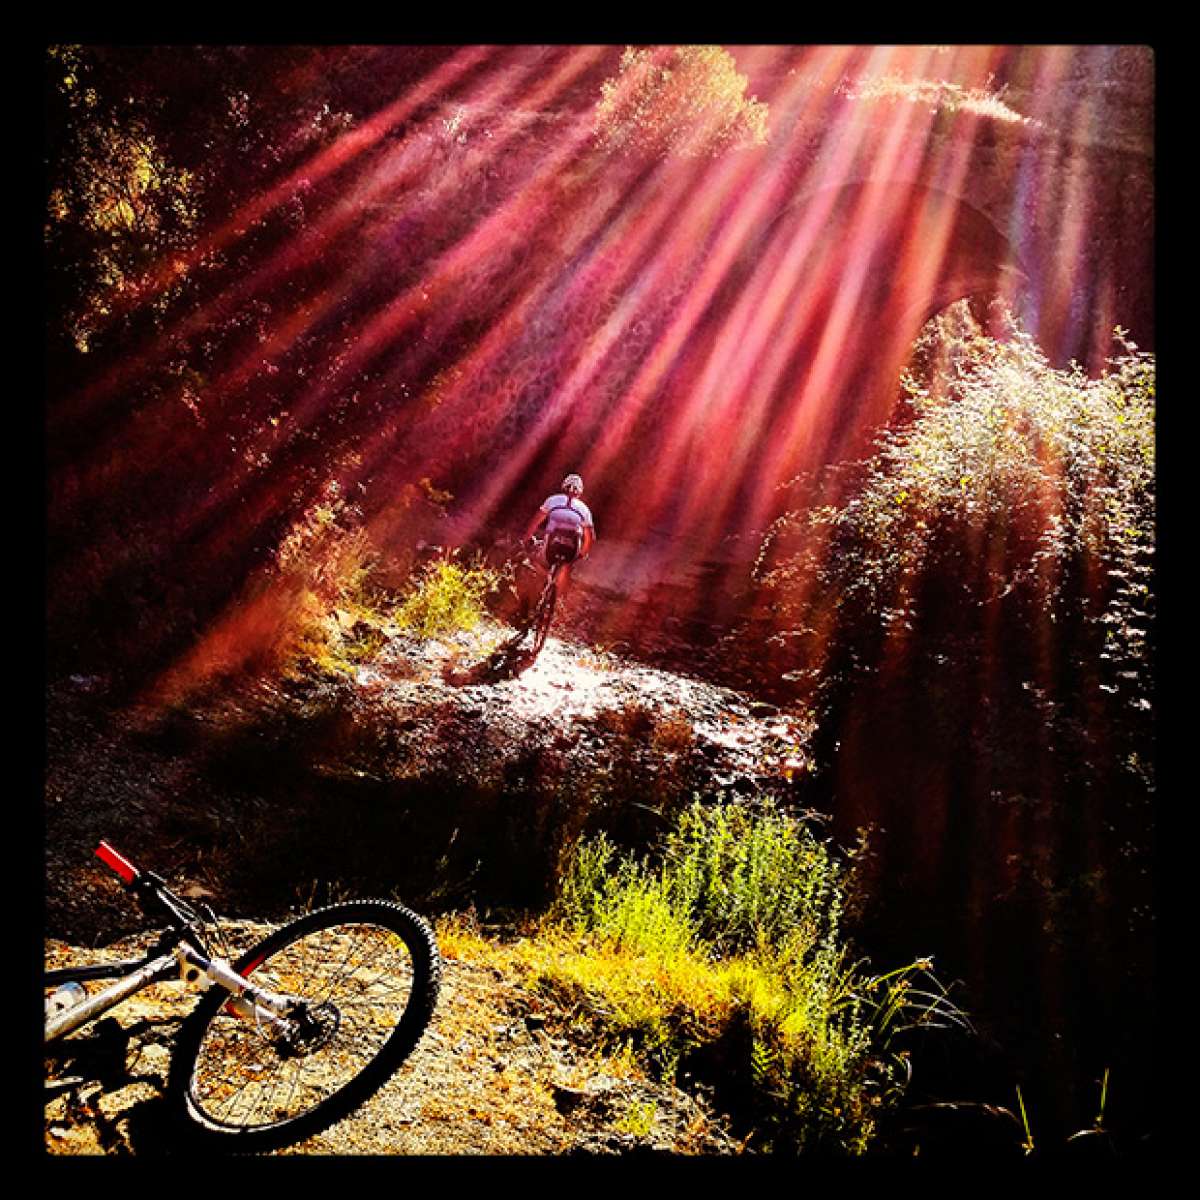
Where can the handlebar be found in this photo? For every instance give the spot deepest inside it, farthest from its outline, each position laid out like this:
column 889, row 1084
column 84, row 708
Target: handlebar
column 117, row 861
column 150, row 889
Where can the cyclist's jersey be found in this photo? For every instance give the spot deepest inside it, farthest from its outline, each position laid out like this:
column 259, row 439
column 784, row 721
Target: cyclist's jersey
column 567, row 513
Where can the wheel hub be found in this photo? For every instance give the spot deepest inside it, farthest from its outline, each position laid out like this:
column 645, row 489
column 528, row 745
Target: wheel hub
column 314, row 1028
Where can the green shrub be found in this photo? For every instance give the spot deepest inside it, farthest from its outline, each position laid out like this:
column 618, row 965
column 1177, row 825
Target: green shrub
column 736, row 924
column 448, row 598
column 746, row 879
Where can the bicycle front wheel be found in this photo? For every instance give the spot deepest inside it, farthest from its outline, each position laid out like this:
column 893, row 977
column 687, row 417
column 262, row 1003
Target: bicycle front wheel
column 364, row 977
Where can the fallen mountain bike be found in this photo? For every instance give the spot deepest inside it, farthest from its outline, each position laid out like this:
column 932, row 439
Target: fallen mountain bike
column 292, row 1035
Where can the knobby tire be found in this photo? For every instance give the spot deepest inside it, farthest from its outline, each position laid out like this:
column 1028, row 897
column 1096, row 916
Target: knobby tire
column 545, row 612
column 370, row 971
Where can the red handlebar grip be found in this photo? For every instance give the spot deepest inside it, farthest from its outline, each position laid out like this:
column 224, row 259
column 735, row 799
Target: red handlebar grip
column 118, row 862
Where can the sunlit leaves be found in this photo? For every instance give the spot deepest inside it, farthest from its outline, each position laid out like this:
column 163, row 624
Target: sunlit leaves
column 937, row 94
column 447, row 599
column 115, row 192
column 1055, row 463
column 739, row 918
column 687, row 100
column 1015, row 495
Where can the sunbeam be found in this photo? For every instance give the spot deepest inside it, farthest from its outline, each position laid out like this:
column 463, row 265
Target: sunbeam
column 477, row 293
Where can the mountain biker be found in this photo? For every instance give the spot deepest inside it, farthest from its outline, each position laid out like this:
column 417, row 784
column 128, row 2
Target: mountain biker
column 570, row 531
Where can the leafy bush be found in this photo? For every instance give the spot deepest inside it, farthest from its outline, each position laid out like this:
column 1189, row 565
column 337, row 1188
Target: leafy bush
column 323, row 565
column 736, row 925
column 448, row 598
column 748, row 879
column 1014, row 487
column 972, row 612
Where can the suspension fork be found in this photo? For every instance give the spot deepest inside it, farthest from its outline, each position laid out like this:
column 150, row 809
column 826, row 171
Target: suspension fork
column 248, row 1000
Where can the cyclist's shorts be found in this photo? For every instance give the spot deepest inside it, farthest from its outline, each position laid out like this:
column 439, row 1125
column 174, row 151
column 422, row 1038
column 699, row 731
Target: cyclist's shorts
column 562, row 546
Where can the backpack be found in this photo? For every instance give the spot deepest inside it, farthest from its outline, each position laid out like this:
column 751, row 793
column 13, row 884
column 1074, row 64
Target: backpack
column 563, row 545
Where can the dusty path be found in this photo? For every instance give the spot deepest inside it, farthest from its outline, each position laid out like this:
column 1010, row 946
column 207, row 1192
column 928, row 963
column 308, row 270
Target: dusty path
column 570, row 685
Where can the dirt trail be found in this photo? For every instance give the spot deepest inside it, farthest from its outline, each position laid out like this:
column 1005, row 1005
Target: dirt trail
column 570, row 685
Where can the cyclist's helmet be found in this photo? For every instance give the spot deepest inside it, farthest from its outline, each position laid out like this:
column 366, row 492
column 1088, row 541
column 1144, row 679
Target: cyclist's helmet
column 572, row 485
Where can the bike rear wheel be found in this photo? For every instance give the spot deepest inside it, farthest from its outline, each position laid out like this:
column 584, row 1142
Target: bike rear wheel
column 365, row 977
column 545, row 611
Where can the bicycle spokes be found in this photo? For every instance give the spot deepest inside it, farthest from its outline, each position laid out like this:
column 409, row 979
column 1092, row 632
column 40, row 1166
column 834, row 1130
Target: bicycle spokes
column 351, row 985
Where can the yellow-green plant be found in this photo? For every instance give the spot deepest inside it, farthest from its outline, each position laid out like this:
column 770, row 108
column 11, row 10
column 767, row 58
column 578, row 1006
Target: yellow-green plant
column 638, row 1118
column 1027, row 1145
column 748, row 877
column 447, row 598
column 1098, row 1128
column 737, row 920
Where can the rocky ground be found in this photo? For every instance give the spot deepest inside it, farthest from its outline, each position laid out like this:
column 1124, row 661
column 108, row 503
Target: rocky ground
column 498, row 1072
column 570, row 687
column 424, row 739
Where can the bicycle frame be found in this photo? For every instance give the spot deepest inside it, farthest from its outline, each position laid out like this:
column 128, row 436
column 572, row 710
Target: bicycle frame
column 552, row 574
column 178, row 953
column 132, row 977
column 543, row 613
column 537, row 545
column 250, row 1067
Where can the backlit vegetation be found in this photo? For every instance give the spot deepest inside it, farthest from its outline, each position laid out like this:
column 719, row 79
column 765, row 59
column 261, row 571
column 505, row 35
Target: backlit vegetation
column 121, row 199
column 324, row 564
column 347, row 598
column 685, row 100
column 1013, row 484
column 972, row 617
column 724, row 953
column 448, row 598
column 936, row 94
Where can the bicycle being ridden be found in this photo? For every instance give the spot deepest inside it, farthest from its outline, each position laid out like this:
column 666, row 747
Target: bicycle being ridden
column 568, row 534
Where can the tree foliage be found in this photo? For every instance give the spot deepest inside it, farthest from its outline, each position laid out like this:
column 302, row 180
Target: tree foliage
column 973, row 615
column 173, row 453
column 116, row 202
column 686, row 100
column 1011, row 484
